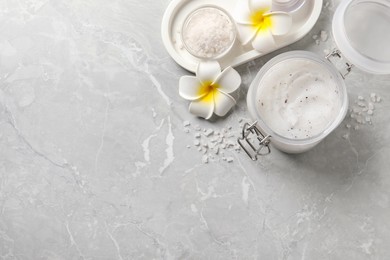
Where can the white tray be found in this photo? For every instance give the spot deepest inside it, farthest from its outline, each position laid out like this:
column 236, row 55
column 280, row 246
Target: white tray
column 174, row 16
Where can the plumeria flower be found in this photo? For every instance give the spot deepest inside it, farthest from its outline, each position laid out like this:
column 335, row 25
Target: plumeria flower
column 257, row 24
column 209, row 90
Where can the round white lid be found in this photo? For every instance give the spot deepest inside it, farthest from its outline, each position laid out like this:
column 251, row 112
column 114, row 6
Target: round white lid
column 361, row 29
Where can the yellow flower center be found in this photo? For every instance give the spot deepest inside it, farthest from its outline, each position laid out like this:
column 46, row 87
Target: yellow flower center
column 259, row 21
column 208, row 91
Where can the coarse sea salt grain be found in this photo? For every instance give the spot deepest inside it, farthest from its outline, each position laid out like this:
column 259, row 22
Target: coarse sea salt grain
column 362, row 111
column 215, row 145
column 324, row 36
column 208, row 33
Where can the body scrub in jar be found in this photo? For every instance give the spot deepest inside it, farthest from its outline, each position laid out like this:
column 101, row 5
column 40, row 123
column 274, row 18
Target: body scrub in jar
column 297, row 98
column 208, row 33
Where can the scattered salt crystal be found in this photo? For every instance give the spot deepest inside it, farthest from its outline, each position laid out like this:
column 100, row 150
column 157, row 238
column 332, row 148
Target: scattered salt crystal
column 360, row 97
column 324, row 36
column 356, row 127
column 370, row 112
column 197, row 128
column 361, row 104
column 346, row 136
column 186, row 123
column 240, row 120
column 229, row 159
column 373, row 97
column 215, row 139
column 378, row 99
column 223, row 158
column 187, row 130
column 230, row 144
column 371, row 106
column 368, row 119
column 318, row 42
column 208, row 132
column 213, row 143
column 205, row 159
column 315, row 37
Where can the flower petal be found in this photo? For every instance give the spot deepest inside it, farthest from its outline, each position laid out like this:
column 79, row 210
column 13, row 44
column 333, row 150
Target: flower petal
column 255, row 5
column 223, row 103
column 281, row 23
column 203, row 107
column 264, row 41
column 241, row 12
column 246, row 33
column 208, row 71
column 229, row 80
column 189, row 88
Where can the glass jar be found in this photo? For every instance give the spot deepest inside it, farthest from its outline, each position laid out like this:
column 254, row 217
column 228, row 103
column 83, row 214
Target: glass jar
column 361, row 29
column 208, row 32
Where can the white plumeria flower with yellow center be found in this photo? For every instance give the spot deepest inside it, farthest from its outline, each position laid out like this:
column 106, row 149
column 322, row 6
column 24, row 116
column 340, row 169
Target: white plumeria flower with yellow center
column 256, row 23
column 210, row 90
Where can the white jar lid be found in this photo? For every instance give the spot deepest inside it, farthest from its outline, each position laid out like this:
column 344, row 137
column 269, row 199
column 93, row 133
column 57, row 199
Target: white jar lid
column 361, row 29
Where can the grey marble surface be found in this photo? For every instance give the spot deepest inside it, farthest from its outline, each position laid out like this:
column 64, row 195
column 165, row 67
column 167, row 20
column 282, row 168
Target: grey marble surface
column 94, row 162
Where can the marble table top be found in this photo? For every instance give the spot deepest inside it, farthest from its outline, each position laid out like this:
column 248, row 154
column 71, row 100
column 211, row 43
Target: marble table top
column 99, row 156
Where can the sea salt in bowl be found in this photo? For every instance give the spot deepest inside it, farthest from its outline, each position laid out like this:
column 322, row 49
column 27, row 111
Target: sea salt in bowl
column 298, row 98
column 208, row 32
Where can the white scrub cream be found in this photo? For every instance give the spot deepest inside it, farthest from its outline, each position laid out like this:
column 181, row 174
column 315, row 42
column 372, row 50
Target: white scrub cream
column 298, row 98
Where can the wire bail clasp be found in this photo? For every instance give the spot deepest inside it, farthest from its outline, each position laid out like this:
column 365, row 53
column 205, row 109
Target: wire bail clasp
column 247, row 142
column 347, row 66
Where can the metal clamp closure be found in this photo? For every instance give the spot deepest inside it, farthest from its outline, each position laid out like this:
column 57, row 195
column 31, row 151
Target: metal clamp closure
column 337, row 54
column 251, row 133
